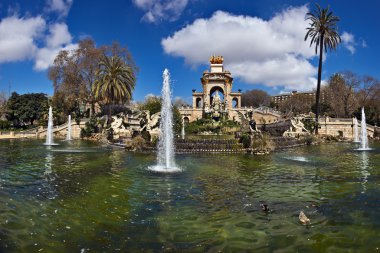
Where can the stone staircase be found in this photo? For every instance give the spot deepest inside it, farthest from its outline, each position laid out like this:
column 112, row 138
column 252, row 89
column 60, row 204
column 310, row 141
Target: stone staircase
column 209, row 146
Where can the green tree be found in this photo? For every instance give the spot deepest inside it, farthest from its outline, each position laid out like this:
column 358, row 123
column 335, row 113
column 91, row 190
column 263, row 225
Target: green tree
column 114, row 83
column 323, row 33
column 25, row 109
column 152, row 104
column 74, row 72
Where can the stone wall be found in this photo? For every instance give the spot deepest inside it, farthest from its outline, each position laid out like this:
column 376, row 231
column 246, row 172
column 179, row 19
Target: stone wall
column 341, row 127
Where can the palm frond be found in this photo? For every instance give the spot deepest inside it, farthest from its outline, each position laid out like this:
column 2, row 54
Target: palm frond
column 115, row 81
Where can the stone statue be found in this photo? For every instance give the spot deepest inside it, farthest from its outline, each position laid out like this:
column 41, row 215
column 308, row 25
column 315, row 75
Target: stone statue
column 216, row 102
column 153, row 122
column 216, row 107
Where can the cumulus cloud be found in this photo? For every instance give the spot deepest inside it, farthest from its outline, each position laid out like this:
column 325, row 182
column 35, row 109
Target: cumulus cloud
column 18, row 37
column 59, row 35
column 32, row 39
column 161, row 10
column 348, row 40
column 58, row 39
column 272, row 52
column 44, row 57
column 61, row 7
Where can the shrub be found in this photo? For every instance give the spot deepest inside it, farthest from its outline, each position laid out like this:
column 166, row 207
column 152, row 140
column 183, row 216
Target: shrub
column 138, row 143
column 145, row 135
column 263, row 143
column 309, row 139
column 109, row 134
column 309, row 124
column 5, row 124
column 245, row 140
column 90, row 128
column 154, row 141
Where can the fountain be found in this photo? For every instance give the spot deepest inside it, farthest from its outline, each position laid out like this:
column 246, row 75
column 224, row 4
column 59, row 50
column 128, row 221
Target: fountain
column 49, row 131
column 165, row 157
column 183, row 130
column 68, row 136
column 363, row 134
column 356, row 131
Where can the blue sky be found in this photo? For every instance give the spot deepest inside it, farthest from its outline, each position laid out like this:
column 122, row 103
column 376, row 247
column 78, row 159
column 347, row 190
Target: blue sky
column 261, row 40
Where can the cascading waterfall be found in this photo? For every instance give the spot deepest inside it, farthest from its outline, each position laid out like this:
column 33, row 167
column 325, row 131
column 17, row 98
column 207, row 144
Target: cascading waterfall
column 165, row 157
column 68, row 136
column 49, row 131
column 356, row 130
column 363, row 135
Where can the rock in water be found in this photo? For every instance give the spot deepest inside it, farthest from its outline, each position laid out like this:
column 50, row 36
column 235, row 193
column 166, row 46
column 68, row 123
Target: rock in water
column 303, row 218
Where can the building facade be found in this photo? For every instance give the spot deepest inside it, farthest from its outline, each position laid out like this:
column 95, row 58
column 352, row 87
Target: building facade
column 278, row 99
column 307, row 96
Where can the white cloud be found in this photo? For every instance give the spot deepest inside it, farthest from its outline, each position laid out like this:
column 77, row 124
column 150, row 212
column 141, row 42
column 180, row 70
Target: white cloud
column 61, row 7
column 45, row 56
column 272, row 52
column 29, row 39
column 348, row 40
column 161, row 10
column 59, row 35
column 18, row 36
column 58, row 39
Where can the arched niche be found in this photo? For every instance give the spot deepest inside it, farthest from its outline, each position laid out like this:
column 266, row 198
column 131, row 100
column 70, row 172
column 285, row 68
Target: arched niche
column 214, row 90
column 235, row 102
column 198, row 102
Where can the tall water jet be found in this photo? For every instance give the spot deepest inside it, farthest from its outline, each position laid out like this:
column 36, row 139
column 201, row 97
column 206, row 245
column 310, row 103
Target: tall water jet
column 165, row 157
column 356, row 130
column 68, row 136
column 49, row 131
column 183, row 130
column 363, row 134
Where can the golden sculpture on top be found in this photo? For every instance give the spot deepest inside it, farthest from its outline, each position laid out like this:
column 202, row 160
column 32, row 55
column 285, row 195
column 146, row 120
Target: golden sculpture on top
column 216, row 59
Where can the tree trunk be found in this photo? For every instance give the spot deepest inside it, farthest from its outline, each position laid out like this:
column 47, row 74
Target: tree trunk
column 109, row 115
column 92, row 109
column 318, row 85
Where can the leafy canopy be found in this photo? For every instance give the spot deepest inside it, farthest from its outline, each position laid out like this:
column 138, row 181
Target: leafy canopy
column 115, row 81
column 323, row 29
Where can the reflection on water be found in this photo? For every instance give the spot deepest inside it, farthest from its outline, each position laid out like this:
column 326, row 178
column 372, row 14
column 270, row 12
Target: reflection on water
column 298, row 158
column 364, row 170
column 99, row 199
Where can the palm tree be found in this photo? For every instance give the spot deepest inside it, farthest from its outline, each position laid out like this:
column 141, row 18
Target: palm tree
column 323, row 33
column 114, row 83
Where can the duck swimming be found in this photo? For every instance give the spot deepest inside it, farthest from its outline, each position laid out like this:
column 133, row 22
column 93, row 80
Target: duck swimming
column 303, row 218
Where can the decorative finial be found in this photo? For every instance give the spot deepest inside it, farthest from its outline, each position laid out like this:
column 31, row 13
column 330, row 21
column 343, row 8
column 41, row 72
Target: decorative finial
column 216, row 59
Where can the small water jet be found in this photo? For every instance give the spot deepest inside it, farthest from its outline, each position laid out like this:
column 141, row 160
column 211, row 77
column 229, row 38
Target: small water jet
column 356, row 131
column 49, row 131
column 68, row 136
column 363, row 134
column 165, row 156
column 183, row 130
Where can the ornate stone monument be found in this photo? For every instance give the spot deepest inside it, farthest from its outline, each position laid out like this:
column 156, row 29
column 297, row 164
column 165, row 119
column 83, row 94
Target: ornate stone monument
column 216, row 98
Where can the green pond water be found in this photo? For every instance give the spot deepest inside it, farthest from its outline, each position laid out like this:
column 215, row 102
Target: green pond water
column 82, row 197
